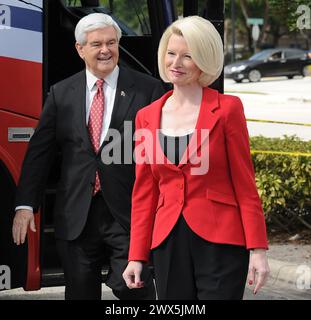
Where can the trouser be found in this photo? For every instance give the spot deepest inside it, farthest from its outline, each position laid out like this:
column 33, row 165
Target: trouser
column 102, row 239
column 188, row 267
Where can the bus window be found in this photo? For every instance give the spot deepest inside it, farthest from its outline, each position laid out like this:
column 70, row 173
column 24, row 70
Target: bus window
column 130, row 13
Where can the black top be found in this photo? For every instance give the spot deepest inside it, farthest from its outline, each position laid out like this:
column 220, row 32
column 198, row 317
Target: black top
column 174, row 147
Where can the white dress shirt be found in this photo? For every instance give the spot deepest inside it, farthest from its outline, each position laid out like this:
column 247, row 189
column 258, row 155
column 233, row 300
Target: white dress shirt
column 110, row 87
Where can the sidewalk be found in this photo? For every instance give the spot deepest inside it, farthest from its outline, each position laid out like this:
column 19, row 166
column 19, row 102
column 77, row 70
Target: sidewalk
column 290, row 266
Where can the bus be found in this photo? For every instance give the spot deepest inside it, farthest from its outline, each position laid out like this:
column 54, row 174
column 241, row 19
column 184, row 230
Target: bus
column 36, row 51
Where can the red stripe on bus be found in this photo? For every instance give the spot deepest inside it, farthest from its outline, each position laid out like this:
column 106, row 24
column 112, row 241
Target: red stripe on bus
column 21, row 86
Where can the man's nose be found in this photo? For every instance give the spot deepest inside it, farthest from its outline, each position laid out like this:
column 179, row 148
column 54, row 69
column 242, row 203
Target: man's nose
column 104, row 48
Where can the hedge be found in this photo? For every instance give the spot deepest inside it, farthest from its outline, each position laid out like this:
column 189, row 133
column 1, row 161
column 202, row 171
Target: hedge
column 283, row 180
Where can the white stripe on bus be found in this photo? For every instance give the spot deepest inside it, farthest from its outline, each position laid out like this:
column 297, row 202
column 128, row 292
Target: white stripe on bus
column 19, row 4
column 21, row 44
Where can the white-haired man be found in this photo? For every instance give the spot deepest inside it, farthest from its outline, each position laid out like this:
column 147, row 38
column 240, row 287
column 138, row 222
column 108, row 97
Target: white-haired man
column 93, row 200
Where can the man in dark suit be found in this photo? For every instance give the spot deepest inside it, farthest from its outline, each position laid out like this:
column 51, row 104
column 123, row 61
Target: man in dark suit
column 93, row 199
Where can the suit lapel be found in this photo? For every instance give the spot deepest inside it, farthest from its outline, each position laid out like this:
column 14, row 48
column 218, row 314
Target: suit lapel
column 123, row 99
column 205, row 125
column 79, row 103
column 153, row 123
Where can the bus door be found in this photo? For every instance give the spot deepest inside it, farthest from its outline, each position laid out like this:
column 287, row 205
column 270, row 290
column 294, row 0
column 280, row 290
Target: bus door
column 21, row 56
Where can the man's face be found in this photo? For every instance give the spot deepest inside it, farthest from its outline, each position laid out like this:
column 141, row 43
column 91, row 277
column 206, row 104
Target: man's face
column 101, row 51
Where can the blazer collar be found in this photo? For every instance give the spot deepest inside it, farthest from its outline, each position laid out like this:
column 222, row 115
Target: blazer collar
column 207, row 119
column 78, row 100
column 123, row 99
column 122, row 103
column 208, row 105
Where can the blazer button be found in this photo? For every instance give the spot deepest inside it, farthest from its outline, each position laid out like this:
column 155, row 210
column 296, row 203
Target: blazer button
column 181, row 201
column 180, row 185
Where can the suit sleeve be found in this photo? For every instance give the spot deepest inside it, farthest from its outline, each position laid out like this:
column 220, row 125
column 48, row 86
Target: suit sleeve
column 158, row 91
column 39, row 158
column 243, row 175
column 144, row 201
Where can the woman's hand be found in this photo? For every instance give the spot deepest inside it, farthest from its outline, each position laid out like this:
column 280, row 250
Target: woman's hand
column 131, row 275
column 258, row 270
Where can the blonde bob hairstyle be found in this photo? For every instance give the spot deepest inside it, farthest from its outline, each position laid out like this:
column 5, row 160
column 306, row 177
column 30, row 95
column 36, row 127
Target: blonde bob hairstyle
column 204, row 43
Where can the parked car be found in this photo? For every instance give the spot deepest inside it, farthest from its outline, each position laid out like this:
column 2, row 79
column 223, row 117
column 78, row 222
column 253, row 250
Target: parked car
column 271, row 62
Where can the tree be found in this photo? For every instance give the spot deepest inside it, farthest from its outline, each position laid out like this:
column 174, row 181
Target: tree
column 244, row 10
column 289, row 12
column 279, row 16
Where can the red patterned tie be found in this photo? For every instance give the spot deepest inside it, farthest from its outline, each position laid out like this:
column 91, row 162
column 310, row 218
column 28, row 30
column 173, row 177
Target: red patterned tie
column 96, row 123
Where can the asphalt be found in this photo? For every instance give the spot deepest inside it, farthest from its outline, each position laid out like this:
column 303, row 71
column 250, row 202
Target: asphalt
column 285, row 101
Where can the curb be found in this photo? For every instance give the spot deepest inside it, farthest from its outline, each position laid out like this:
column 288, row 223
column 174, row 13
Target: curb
column 289, row 273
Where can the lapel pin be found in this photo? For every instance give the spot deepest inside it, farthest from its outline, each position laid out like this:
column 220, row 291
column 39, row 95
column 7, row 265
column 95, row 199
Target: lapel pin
column 122, row 93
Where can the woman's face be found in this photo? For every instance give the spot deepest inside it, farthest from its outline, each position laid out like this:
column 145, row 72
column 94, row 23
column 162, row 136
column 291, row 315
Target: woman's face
column 179, row 66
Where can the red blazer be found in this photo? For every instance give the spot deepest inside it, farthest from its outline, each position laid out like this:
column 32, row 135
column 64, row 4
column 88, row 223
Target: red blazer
column 221, row 204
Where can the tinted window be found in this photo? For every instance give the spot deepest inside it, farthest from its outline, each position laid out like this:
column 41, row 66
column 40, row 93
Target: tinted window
column 213, row 7
column 132, row 13
column 275, row 56
column 262, row 55
column 294, row 54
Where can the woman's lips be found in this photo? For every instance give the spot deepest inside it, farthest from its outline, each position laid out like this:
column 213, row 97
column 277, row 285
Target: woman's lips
column 177, row 73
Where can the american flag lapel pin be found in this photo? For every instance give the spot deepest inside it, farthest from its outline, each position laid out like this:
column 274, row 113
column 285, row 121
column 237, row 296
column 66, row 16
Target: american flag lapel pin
column 122, row 93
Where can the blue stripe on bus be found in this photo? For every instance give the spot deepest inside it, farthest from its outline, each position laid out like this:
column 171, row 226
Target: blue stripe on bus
column 26, row 19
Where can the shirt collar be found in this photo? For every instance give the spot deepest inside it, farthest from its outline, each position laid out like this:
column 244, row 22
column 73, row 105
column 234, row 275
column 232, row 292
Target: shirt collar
column 111, row 80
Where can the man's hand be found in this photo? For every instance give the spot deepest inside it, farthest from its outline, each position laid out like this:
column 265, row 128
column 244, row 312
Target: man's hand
column 23, row 218
column 132, row 273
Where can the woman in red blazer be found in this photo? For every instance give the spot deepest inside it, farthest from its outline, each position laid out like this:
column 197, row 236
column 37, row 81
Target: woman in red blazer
column 195, row 204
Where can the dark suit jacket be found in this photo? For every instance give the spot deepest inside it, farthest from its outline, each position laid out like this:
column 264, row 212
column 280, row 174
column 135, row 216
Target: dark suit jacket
column 62, row 126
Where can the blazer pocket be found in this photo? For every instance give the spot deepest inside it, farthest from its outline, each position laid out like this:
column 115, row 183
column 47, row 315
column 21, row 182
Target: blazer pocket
column 160, row 202
column 221, row 197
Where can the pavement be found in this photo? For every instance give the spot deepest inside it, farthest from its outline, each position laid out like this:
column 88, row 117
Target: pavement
column 290, row 266
column 290, row 279
column 290, row 274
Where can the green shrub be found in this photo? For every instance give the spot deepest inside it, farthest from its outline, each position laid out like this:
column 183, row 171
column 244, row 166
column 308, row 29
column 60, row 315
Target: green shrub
column 283, row 180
